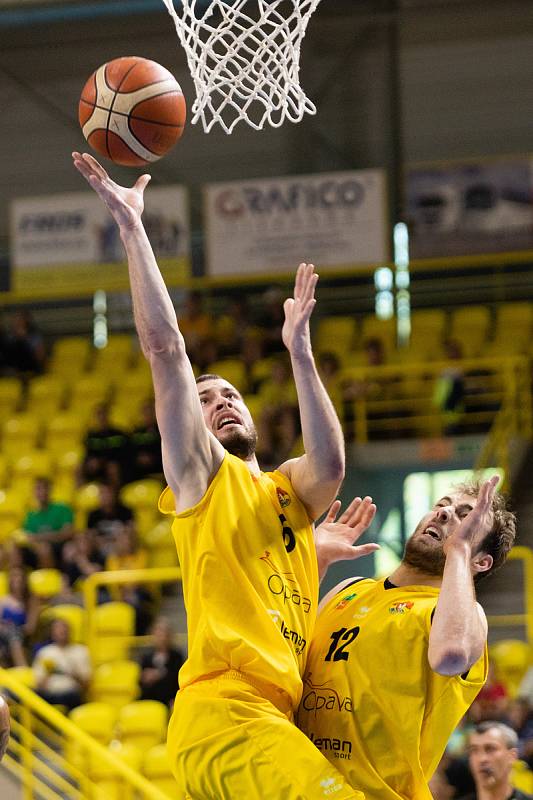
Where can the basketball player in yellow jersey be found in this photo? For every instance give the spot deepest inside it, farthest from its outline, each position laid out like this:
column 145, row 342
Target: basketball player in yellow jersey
column 245, row 542
column 394, row 664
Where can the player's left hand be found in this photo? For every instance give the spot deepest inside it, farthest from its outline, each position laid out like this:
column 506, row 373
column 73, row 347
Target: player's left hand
column 476, row 519
column 335, row 538
column 298, row 310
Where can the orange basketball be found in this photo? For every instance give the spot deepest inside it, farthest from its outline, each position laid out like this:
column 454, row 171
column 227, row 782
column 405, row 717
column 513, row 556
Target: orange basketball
column 132, row 111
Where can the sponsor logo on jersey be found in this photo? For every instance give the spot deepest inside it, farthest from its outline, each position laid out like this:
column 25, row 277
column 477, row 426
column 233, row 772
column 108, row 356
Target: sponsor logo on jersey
column 330, row 786
column 321, row 697
column 284, row 585
column 340, row 748
column 401, row 608
column 298, row 641
column 344, row 601
column 283, row 497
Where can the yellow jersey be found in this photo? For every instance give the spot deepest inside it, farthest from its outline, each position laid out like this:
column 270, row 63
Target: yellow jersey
column 250, row 578
column 371, row 702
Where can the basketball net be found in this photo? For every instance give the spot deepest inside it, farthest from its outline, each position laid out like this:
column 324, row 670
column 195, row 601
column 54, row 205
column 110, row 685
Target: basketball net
column 245, row 66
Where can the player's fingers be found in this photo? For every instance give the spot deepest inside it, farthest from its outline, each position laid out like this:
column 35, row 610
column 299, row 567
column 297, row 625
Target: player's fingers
column 310, row 283
column 142, row 182
column 96, row 166
column 351, row 553
column 307, row 310
column 350, row 510
column 299, row 280
column 357, row 513
column 288, row 307
column 333, row 510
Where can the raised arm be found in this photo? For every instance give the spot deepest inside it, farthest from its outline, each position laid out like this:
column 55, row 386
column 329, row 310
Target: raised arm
column 459, row 627
column 191, row 455
column 317, row 475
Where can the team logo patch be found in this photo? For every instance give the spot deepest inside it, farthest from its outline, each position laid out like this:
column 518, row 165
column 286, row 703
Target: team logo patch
column 283, row 497
column 401, row 608
column 345, row 600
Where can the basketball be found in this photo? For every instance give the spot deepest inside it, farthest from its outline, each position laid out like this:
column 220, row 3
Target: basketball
column 132, row 111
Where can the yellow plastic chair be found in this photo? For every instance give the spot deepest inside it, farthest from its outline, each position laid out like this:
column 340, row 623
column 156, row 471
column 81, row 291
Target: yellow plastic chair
column 383, row 329
column 109, row 785
column 160, row 545
column 86, row 499
column 511, row 657
column 96, row 719
column 470, row 327
column 19, row 434
column 45, row 583
column 232, row 370
column 156, row 767
column 71, row 614
column 35, row 463
column 10, row 396
column 13, row 507
column 336, row 335
column 116, row 683
column 117, row 356
column 143, row 723
column 142, row 497
column 112, row 623
column 88, row 391
column 4, row 584
column 25, row 675
column 45, row 395
column 70, row 356
column 65, row 432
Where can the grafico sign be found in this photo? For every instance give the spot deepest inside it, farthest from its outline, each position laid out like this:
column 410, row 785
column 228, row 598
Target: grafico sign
column 335, row 220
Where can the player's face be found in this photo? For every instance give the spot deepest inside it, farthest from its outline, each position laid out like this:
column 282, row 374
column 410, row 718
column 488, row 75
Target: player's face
column 227, row 417
column 425, row 549
column 490, row 759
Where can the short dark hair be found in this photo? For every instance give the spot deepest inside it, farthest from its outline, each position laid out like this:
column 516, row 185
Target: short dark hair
column 209, row 376
column 501, row 537
column 509, row 736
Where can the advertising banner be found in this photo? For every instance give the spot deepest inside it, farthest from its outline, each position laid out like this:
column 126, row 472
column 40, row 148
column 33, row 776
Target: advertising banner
column 336, row 220
column 470, row 208
column 69, row 242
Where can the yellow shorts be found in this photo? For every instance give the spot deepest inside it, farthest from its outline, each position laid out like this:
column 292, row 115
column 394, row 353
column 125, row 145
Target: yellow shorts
column 228, row 741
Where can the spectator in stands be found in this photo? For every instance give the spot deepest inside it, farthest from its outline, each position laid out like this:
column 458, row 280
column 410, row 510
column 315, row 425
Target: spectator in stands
column 82, row 557
column 278, row 422
column 127, row 554
column 160, row 666
column 145, row 444
column 250, row 353
column 106, row 449
column 195, row 324
column 369, row 388
column 233, row 327
column 19, row 613
column 62, row 669
column 25, row 346
column 270, row 320
column 48, row 527
column 492, row 752
column 110, row 516
column 492, row 701
column 329, row 369
column 449, row 390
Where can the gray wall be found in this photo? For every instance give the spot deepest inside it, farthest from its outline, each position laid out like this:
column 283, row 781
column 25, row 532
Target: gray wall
column 467, row 89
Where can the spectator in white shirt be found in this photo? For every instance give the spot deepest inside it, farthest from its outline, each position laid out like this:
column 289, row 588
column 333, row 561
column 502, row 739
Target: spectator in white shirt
column 62, row 670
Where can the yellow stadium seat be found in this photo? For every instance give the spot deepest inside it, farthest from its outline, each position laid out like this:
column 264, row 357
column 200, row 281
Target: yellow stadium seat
column 32, row 464
column 470, row 326
column 335, row 335
column 109, row 785
column 383, row 329
column 142, row 497
column 65, row 432
column 232, row 370
column 4, row 584
column 86, row 499
column 156, row 767
column 45, row 396
column 10, row 396
column 25, row 675
column 88, row 391
column 71, row 614
column 427, row 333
column 96, row 719
column 5, row 473
column 45, row 582
column 112, row 623
column 143, row 723
column 116, row 683
column 20, row 433
column 70, row 355
column 118, row 355
column 13, row 506
column 160, row 545
column 511, row 658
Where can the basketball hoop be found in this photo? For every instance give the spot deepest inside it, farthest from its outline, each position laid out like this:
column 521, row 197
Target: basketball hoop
column 245, row 66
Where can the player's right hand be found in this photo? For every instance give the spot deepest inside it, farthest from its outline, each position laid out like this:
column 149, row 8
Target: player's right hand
column 126, row 205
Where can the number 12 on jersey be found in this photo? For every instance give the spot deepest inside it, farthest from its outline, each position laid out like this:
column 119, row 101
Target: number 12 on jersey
column 340, row 640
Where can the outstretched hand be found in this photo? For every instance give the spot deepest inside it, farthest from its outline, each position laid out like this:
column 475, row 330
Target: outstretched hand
column 298, row 310
column 126, row 205
column 477, row 519
column 335, row 538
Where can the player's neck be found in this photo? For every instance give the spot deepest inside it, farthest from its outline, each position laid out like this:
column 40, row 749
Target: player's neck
column 404, row 575
column 252, row 465
column 498, row 792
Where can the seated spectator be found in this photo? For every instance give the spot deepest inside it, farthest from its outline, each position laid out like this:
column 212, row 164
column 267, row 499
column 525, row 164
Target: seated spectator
column 48, row 527
column 145, row 444
column 110, row 516
column 492, row 752
column 126, row 554
column 25, row 346
column 82, row 557
column 195, row 324
column 270, row 320
column 232, row 327
column 160, row 666
column 329, row 369
column 62, row 670
column 492, row 701
column 250, row 353
column 278, row 427
column 19, row 614
column 106, row 450
column 449, row 391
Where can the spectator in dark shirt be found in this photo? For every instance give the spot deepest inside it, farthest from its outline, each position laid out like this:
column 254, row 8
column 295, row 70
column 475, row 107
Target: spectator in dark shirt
column 82, row 557
column 160, row 666
column 106, row 450
column 492, row 752
column 109, row 518
column 25, row 347
column 145, row 444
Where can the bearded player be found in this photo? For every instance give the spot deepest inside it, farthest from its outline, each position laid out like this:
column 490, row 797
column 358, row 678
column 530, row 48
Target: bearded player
column 245, row 543
column 394, row 664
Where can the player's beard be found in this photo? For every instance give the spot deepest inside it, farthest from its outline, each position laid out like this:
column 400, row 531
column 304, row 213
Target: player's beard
column 241, row 443
column 430, row 560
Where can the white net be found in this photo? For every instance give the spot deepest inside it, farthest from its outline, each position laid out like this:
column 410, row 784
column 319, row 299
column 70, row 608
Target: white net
column 244, row 57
